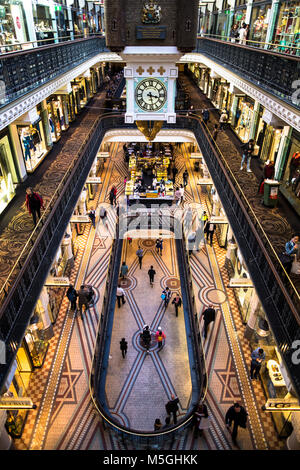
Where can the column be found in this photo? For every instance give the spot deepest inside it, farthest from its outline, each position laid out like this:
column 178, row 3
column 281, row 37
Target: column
column 44, row 308
column 5, row 439
column 82, row 202
column 67, row 248
column 255, row 120
column 18, row 152
column 248, row 13
column 46, row 126
column 250, row 327
column 282, row 152
column 272, row 22
column 293, row 441
column 230, row 21
column 27, row 4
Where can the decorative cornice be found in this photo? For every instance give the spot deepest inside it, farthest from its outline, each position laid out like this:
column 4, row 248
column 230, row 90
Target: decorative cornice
column 281, row 109
column 14, row 110
column 130, row 133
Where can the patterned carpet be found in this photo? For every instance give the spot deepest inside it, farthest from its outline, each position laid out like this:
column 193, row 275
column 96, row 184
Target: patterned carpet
column 65, row 418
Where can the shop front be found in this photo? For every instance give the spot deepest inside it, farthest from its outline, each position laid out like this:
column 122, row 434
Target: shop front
column 223, row 22
column 242, row 115
column 260, row 19
column 239, row 16
column 287, row 29
column 44, row 23
column 59, row 106
column 273, row 375
column 8, row 175
column 291, row 174
column 79, row 90
column 13, row 25
column 269, row 134
column 34, row 138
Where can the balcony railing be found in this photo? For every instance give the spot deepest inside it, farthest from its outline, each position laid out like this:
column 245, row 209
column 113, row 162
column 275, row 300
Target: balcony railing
column 143, row 439
column 24, row 71
column 274, row 72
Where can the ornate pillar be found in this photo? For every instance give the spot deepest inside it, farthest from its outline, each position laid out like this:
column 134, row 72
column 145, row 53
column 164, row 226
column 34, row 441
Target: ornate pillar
column 250, row 327
column 5, row 439
column 67, row 248
column 43, row 310
column 82, row 202
column 272, row 22
column 293, row 441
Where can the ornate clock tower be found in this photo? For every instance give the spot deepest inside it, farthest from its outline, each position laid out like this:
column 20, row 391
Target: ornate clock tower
column 151, row 36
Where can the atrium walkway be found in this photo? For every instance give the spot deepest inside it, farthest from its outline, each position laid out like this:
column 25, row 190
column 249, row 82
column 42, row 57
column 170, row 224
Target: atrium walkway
column 65, row 418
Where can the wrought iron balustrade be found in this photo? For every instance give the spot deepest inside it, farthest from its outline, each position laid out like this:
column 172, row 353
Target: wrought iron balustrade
column 143, row 439
column 24, row 71
column 274, row 72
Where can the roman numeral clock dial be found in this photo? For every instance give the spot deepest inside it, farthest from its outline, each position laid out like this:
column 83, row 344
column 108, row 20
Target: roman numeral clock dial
column 150, row 94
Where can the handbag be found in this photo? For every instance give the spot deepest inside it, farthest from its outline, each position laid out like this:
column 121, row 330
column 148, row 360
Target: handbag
column 163, row 296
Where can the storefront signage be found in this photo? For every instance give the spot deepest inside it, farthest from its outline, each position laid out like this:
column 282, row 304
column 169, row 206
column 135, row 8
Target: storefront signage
column 282, row 404
column 57, row 281
column 102, row 154
column 196, row 155
column 240, row 282
column 94, row 180
column 205, row 181
column 151, row 32
column 78, row 219
column 16, row 403
column 218, row 220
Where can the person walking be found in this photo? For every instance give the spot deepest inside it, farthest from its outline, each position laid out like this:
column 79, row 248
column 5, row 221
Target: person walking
column 113, row 196
column 210, row 230
column 124, row 270
column 34, row 203
column 208, row 315
column 92, row 216
column 185, row 177
column 160, row 336
column 103, row 215
column 248, row 149
column 215, row 132
column 223, row 120
column 243, row 34
column 181, row 189
column 177, row 196
column 172, row 407
column 146, row 337
column 177, row 303
column 205, row 116
column 191, row 242
column 166, row 295
column 167, row 422
column 234, row 33
column 72, row 296
column 157, row 424
column 120, row 295
column 151, row 274
column 188, row 218
column 257, row 357
column 174, row 172
column 291, row 247
column 140, row 254
column 123, row 347
column 83, row 299
column 159, row 246
column 202, row 420
column 237, row 415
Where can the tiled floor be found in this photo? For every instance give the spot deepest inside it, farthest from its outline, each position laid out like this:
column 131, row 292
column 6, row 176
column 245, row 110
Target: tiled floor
column 65, row 417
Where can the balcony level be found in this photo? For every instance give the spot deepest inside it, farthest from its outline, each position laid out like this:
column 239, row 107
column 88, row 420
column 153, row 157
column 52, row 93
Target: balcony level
column 273, row 72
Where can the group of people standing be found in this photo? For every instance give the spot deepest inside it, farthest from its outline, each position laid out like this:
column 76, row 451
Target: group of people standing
column 239, row 34
column 85, row 296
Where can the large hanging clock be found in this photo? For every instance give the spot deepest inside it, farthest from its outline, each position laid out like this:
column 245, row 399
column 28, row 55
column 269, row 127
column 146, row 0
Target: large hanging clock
column 151, row 94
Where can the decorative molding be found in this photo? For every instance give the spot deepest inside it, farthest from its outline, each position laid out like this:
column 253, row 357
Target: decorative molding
column 277, row 107
column 175, row 135
column 14, row 110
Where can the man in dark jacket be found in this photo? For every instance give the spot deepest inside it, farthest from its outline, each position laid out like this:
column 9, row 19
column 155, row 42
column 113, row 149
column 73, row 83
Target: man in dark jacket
column 237, row 415
column 172, row 407
column 34, row 204
column 248, row 150
column 209, row 315
column 72, row 296
column 83, row 299
column 210, row 230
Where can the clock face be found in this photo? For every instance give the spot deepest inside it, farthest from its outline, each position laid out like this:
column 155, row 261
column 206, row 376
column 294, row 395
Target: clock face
column 151, row 94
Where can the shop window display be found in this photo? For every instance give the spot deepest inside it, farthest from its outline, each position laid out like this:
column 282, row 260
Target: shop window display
column 7, row 190
column 60, row 106
column 33, row 145
column 259, row 23
column 34, row 338
column 270, row 146
column 55, row 119
column 13, row 28
column 16, row 419
column 292, row 170
column 287, row 31
column 43, row 23
column 244, row 117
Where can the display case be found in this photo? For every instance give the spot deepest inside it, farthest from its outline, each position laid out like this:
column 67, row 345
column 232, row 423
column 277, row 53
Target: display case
column 33, row 144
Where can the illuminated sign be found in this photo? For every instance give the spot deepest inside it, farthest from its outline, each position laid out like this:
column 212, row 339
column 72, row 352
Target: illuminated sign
column 282, row 404
column 102, row 154
column 241, row 282
column 57, row 281
column 94, row 180
column 218, row 220
column 205, row 181
column 16, row 403
column 78, row 219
